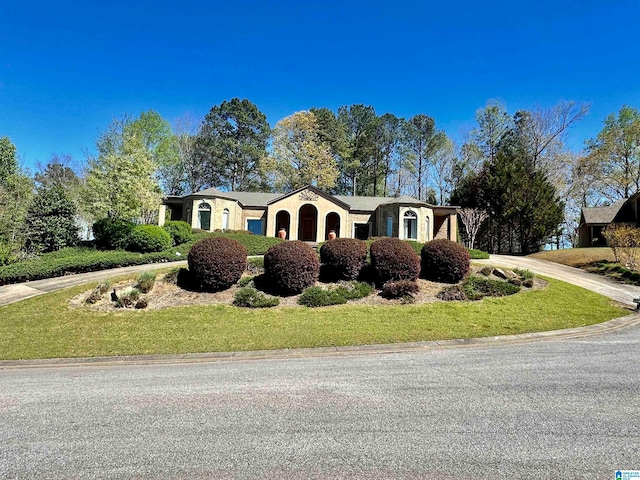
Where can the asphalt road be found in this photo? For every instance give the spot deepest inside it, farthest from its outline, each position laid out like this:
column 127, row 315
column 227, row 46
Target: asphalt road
column 550, row 409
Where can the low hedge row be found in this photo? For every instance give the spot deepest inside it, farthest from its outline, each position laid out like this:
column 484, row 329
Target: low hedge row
column 81, row 260
column 87, row 259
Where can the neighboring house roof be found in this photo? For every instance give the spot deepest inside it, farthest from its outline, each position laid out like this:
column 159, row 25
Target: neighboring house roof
column 602, row 215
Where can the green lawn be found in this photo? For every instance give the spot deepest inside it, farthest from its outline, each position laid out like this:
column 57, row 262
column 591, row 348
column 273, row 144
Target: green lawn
column 45, row 327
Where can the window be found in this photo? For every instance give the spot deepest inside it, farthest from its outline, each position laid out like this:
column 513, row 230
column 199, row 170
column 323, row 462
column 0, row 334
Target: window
column 427, row 232
column 361, row 230
column 255, row 226
column 225, row 219
column 410, row 225
column 389, row 226
column 204, row 216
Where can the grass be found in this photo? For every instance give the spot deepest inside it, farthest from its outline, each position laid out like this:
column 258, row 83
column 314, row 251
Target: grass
column 46, row 327
column 577, row 257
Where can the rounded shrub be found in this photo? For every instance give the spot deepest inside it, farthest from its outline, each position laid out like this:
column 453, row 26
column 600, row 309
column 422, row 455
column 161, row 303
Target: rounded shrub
column 179, row 231
column 343, row 258
column 216, row 263
column 393, row 259
column 290, row 267
column 148, row 238
column 112, row 233
column 444, row 261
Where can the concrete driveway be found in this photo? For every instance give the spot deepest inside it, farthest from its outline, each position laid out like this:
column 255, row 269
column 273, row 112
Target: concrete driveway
column 596, row 283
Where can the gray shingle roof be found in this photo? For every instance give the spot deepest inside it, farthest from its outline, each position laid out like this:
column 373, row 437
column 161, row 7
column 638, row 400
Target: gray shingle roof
column 259, row 199
column 596, row 215
column 371, row 203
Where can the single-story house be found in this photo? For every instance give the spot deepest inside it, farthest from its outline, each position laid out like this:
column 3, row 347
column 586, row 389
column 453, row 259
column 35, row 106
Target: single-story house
column 593, row 220
column 309, row 214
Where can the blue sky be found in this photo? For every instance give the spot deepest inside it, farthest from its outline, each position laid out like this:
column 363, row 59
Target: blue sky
column 68, row 67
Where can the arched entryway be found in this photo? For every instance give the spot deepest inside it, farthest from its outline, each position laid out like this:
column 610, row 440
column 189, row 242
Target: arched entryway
column 332, row 222
column 204, row 216
column 308, row 223
column 283, row 220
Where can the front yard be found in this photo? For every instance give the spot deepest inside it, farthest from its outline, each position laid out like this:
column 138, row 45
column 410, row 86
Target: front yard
column 47, row 326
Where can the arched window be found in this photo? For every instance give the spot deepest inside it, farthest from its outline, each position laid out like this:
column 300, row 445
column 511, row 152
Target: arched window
column 410, row 225
column 225, row 219
column 204, row 216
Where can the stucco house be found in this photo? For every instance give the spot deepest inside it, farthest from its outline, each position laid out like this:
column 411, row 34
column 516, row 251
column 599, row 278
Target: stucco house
column 309, row 214
column 593, row 220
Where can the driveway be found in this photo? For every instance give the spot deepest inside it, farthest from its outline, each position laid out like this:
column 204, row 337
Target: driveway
column 596, row 283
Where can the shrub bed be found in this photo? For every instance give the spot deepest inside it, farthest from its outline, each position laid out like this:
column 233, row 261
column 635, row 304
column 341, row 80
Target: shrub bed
column 255, row 244
column 249, row 297
column 393, row 259
column 179, row 231
column 334, row 295
column 148, row 238
column 343, row 258
column 217, row 262
column 477, row 254
column 444, row 261
column 476, row 288
column 400, row 289
column 290, row 267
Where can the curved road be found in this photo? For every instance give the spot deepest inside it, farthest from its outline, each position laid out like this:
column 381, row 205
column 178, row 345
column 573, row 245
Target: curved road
column 561, row 408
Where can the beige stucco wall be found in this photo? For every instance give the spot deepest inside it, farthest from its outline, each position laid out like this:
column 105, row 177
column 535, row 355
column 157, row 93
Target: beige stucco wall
column 293, row 203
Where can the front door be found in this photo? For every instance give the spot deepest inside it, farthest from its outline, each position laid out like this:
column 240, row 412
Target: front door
column 307, row 230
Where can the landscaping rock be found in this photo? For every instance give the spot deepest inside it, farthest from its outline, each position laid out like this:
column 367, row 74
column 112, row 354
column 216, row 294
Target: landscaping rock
column 503, row 274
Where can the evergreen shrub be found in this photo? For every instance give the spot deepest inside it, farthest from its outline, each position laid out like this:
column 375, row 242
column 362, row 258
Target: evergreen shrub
column 216, row 263
column 343, row 258
column 444, row 261
column 179, row 231
column 112, row 233
column 290, row 267
column 393, row 259
column 148, row 238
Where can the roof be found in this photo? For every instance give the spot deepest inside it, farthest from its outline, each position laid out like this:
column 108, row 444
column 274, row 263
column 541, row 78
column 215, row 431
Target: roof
column 371, row 203
column 259, row 199
column 602, row 215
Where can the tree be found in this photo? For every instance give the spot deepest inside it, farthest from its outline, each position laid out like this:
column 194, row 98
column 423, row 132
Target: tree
column 614, row 155
column 422, row 141
column 120, row 181
column 472, row 219
column 387, row 135
column 50, row 221
column 300, row 157
column 493, row 122
column 358, row 122
column 231, row 144
column 161, row 144
column 8, row 159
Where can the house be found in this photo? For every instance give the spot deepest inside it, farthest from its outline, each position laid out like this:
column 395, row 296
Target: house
column 309, row 214
column 593, row 220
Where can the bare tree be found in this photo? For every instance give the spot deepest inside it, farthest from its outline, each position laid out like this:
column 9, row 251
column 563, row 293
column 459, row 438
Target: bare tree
column 472, row 219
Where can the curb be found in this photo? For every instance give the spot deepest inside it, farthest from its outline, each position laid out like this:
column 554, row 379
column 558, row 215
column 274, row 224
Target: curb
column 215, row 357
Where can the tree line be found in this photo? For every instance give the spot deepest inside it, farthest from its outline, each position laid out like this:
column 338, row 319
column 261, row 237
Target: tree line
column 515, row 169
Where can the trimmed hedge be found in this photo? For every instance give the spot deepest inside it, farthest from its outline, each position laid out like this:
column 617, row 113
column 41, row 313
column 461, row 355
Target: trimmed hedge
column 444, row 261
column 255, row 244
column 343, row 258
column 393, row 259
column 217, row 262
column 477, row 254
column 290, row 267
column 148, row 238
column 179, row 231
column 112, row 233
